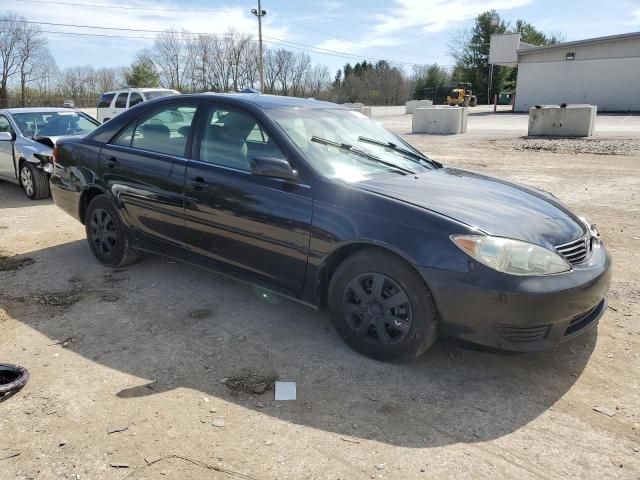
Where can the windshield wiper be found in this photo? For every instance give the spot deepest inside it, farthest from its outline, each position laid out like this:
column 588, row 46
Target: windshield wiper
column 368, row 156
column 416, row 156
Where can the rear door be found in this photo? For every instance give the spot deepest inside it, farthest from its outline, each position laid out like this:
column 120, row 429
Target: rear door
column 134, row 99
column 255, row 224
column 120, row 104
column 7, row 167
column 104, row 106
column 144, row 167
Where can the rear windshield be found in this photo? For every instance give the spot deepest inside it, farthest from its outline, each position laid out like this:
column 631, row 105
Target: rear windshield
column 105, row 100
column 160, row 93
column 53, row 124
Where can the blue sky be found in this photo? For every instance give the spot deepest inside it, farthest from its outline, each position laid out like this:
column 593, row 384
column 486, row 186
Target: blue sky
column 407, row 31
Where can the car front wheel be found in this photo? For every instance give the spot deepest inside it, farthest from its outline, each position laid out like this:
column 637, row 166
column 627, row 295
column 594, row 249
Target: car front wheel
column 381, row 306
column 34, row 181
column 107, row 236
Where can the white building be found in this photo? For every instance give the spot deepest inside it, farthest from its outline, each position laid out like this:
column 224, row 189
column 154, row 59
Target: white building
column 601, row 71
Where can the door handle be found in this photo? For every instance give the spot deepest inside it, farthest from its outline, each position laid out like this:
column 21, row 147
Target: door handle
column 112, row 162
column 198, row 183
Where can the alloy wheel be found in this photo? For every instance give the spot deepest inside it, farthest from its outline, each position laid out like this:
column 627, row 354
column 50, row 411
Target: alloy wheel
column 377, row 309
column 27, row 180
column 103, row 232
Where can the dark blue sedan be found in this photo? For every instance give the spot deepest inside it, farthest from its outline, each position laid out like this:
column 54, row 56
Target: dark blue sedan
column 321, row 204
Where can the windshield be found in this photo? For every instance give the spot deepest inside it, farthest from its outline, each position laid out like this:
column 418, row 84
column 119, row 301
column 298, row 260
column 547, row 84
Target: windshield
column 159, row 93
column 317, row 131
column 54, row 124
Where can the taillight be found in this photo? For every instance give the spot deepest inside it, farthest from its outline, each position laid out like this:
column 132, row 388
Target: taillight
column 54, row 154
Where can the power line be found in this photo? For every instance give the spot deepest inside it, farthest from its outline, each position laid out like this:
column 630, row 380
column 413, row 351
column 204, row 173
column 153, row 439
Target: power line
column 105, row 28
column 274, row 40
column 87, row 34
column 118, row 7
column 328, row 34
column 333, row 35
column 102, row 35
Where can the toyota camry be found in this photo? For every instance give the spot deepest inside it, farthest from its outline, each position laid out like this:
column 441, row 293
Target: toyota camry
column 321, row 204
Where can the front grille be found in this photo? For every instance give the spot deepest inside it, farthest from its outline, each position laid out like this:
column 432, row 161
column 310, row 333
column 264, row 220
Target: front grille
column 523, row 334
column 577, row 251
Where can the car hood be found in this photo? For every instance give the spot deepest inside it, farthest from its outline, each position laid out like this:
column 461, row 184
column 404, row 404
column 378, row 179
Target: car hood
column 50, row 140
column 494, row 206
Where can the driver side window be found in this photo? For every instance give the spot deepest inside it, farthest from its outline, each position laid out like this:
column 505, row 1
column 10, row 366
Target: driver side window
column 232, row 138
column 5, row 126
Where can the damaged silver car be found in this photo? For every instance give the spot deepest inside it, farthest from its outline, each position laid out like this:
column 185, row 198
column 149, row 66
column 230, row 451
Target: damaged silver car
column 27, row 139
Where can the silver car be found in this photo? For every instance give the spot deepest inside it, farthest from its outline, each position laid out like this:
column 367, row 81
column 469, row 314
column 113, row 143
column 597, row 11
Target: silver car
column 27, row 138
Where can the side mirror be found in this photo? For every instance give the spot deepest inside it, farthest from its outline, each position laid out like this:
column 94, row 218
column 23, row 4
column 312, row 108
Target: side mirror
column 273, row 167
column 6, row 137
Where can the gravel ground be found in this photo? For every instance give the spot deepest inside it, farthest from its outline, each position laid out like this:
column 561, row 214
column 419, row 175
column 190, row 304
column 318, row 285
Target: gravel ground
column 572, row 145
column 163, row 370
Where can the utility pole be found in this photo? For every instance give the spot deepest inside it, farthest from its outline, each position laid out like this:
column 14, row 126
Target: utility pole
column 260, row 13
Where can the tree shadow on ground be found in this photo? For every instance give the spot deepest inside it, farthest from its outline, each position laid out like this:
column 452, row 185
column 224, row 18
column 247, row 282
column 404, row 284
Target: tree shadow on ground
column 140, row 320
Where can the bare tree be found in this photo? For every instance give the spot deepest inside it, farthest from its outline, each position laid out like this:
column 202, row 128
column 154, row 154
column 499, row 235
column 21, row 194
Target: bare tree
column 299, row 69
column 32, row 53
column 46, row 76
column 10, row 26
column 107, row 79
column 272, row 70
column 172, row 58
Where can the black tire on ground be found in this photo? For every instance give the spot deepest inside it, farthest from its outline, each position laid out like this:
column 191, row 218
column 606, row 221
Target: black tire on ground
column 366, row 294
column 107, row 236
column 473, row 102
column 34, row 181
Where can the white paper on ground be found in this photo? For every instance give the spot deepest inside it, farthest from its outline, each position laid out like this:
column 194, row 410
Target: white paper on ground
column 285, row 390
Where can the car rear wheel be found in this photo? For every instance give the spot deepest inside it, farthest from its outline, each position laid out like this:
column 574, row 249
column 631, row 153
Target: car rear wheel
column 107, row 236
column 381, row 306
column 34, row 181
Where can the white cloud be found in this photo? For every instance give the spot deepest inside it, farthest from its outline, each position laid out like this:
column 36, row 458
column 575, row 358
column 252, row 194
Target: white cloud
column 436, row 15
column 407, row 19
column 157, row 16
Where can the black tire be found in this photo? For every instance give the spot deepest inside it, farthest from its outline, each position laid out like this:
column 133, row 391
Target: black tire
column 34, row 181
column 409, row 328
column 107, row 236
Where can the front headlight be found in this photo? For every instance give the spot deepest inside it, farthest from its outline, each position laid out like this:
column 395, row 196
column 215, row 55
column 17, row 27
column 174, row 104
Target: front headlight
column 514, row 257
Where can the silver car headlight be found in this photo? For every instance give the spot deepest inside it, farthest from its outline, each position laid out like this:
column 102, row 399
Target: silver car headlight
column 514, row 257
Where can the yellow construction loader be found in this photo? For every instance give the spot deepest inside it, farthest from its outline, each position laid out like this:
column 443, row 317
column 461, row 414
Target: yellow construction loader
column 462, row 96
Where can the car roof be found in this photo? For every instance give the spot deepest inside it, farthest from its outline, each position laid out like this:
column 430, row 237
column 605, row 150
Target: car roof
column 268, row 102
column 35, row 110
column 135, row 89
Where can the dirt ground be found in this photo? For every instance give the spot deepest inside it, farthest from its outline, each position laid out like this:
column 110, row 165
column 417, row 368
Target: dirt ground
column 156, row 370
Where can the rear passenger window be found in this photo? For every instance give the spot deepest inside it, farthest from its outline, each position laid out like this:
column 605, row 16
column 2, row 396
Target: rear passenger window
column 135, row 99
column 105, row 100
column 166, row 131
column 121, row 101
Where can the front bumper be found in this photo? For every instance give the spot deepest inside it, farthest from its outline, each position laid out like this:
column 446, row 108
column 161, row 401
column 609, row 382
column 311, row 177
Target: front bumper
column 521, row 313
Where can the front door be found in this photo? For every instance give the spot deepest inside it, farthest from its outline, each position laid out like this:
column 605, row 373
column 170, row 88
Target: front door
column 7, row 167
column 144, row 168
column 255, row 224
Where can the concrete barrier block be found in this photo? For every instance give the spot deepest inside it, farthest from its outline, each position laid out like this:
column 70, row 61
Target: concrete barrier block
column 556, row 121
column 411, row 105
column 363, row 110
column 440, row 120
column 353, row 105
